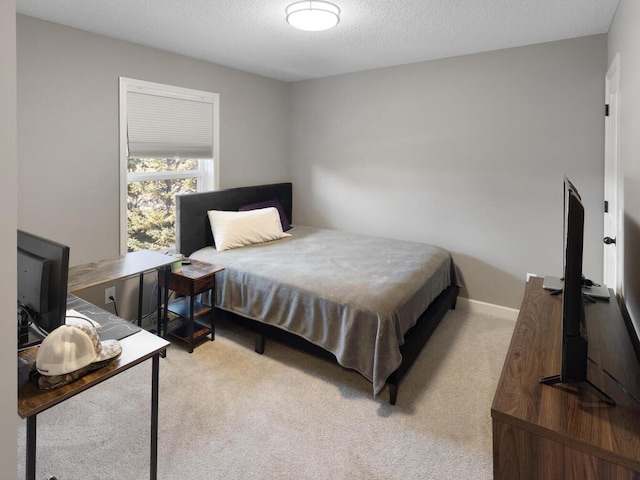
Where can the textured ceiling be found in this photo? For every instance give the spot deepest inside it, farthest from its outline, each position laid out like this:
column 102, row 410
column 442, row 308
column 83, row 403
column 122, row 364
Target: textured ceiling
column 252, row 35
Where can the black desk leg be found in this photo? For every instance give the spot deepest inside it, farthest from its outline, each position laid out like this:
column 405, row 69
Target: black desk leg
column 31, row 448
column 140, row 289
column 155, row 370
column 159, row 306
column 165, row 313
column 163, row 301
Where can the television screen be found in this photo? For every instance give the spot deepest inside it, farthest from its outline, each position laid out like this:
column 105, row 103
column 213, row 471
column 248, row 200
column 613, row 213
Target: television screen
column 574, row 335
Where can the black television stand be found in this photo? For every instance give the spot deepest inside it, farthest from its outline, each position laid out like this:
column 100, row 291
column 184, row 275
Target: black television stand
column 554, row 379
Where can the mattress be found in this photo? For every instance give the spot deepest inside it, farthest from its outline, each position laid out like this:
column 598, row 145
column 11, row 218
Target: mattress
column 353, row 295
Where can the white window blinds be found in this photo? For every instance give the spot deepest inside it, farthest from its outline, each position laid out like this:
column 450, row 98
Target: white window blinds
column 163, row 126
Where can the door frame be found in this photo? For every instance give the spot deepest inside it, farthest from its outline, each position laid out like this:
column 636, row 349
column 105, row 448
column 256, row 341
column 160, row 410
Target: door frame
column 613, row 184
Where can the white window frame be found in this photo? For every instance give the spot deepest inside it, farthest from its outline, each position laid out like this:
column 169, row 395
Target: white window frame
column 208, row 172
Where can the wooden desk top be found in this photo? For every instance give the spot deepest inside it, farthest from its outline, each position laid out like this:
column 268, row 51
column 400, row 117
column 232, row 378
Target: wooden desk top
column 113, row 269
column 579, row 421
column 136, row 348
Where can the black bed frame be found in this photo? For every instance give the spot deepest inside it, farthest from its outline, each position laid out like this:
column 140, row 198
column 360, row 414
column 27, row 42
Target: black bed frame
column 194, row 232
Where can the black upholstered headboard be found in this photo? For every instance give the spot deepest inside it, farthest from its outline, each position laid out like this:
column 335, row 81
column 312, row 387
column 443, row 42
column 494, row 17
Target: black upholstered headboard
column 192, row 223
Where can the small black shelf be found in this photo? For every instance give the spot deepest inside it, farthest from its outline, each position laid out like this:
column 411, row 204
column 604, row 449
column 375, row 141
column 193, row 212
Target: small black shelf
column 180, row 328
column 202, row 321
column 181, row 307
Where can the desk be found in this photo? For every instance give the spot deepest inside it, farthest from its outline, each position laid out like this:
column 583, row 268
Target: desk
column 545, row 432
column 112, row 270
column 136, row 349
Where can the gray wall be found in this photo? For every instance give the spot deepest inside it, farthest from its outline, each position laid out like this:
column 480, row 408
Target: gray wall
column 8, row 215
column 467, row 152
column 624, row 38
column 68, row 167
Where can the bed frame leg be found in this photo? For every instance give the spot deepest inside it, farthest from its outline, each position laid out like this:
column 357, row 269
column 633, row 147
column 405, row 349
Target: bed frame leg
column 259, row 347
column 393, row 393
column 453, row 304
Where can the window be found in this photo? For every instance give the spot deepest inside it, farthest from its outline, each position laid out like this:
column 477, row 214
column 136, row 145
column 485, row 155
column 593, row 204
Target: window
column 168, row 145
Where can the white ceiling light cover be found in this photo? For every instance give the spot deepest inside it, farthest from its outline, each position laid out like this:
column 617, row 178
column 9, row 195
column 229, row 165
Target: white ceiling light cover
column 313, row 16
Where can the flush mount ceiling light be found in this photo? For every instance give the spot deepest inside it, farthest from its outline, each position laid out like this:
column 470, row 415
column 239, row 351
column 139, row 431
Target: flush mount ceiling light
column 313, row 15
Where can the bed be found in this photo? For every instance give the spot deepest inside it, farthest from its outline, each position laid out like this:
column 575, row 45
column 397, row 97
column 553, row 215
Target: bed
column 368, row 303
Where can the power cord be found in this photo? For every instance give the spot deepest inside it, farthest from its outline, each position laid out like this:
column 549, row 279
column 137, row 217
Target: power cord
column 115, row 307
column 27, row 320
column 620, row 385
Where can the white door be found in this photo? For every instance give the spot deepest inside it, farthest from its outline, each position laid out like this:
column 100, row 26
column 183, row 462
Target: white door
column 612, row 267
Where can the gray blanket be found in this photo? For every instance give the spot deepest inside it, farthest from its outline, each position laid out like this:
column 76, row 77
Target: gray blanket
column 353, row 295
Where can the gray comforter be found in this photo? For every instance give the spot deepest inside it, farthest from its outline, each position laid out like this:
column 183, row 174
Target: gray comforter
column 353, row 295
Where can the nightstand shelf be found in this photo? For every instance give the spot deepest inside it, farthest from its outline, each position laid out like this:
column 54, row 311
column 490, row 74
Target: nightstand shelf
column 190, row 280
column 179, row 327
column 181, row 307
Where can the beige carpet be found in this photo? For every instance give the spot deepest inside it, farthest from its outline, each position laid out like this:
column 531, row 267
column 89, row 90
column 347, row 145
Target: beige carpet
column 229, row 413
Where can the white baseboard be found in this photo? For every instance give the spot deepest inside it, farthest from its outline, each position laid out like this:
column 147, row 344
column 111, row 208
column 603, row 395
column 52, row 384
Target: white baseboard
column 476, row 306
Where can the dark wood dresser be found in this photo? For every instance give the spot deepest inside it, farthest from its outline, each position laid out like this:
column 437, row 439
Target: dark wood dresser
column 560, row 432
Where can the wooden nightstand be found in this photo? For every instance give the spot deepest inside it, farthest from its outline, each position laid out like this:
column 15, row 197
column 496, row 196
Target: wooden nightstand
column 191, row 280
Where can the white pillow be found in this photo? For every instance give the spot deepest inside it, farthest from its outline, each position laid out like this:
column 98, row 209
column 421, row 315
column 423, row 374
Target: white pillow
column 237, row 229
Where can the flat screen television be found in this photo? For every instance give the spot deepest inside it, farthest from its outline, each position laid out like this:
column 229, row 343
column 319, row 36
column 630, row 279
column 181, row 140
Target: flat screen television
column 574, row 334
column 43, row 272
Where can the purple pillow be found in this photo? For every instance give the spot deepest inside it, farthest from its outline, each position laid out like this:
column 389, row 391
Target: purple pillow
column 270, row 203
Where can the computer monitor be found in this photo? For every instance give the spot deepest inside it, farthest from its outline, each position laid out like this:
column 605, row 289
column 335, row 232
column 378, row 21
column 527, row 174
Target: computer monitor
column 43, row 272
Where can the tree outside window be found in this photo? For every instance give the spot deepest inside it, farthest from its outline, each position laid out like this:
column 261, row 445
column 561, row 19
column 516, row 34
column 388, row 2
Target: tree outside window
column 151, row 207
